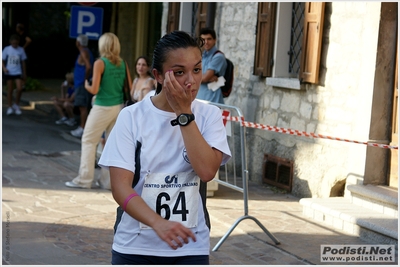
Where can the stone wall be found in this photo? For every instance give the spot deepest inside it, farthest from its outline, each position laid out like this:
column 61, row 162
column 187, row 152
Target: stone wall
column 340, row 106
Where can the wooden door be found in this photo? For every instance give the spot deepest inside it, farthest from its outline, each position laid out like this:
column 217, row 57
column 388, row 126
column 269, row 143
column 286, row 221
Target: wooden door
column 173, row 16
column 394, row 153
column 201, row 17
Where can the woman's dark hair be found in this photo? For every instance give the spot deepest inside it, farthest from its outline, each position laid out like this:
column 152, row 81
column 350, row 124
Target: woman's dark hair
column 148, row 64
column 169, row 42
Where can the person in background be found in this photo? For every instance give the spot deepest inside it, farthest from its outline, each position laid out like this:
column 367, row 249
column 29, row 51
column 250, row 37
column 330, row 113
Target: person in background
column 25, row 40
column 82, row 72
column 214, row 65
column 144, row 81
column 109, row 72
column 159, row 153
column 14, row 68
column 65, row 105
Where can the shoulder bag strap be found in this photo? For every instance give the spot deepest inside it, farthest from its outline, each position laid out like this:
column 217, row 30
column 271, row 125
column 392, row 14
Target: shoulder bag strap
column 125, row 88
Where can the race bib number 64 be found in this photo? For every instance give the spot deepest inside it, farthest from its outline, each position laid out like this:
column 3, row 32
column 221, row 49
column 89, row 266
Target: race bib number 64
column 174, row 197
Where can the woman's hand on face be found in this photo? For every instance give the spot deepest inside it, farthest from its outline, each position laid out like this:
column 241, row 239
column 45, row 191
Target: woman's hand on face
column 173, row 233
column 178, row 97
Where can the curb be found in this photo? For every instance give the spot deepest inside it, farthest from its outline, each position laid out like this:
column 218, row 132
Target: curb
column 34, row 104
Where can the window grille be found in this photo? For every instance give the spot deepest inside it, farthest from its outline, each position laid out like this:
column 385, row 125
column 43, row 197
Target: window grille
column 296, row 38
column 278, row 172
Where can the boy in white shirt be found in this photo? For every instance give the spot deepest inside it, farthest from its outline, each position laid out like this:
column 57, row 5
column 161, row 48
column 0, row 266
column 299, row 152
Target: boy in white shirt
column 14, row 68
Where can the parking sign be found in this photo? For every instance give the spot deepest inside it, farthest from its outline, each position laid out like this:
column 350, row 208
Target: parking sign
column 86, row 20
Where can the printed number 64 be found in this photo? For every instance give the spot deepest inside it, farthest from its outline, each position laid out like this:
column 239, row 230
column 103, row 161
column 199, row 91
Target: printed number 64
column 180, row 202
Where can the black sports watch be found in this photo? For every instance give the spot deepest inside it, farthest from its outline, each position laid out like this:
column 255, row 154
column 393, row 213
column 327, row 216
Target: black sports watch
column 183, row 119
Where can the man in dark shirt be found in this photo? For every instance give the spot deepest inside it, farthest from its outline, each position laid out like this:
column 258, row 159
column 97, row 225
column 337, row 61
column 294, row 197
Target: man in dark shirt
column 25, row 40
column 82, row 71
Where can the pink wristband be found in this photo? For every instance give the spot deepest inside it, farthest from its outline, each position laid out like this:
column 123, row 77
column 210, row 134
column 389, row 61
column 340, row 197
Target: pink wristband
column 129, row 198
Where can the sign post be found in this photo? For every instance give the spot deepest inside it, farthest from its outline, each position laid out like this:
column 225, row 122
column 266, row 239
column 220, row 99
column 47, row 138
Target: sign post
column 86, row 20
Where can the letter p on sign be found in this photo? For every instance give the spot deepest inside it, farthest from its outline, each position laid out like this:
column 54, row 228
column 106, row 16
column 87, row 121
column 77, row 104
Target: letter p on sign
column 86, row 20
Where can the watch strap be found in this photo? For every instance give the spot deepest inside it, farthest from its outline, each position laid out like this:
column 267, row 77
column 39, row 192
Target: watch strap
column 190, row 118
column 174, row 122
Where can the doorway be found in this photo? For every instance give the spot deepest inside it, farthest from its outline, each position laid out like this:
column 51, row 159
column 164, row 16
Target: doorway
column 394, row 153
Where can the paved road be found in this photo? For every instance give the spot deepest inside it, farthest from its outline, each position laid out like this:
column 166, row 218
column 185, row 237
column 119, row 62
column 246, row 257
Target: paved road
column 35, row 130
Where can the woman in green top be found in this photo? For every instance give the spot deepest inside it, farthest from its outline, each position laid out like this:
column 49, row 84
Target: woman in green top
column 109, row 73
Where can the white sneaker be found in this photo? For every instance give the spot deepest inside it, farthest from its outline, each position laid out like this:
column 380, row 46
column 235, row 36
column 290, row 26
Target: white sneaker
column 100, row 185
column 74, row 185
column 78, row 132
column 17, row 110
column 10, row 111
column 70, row 122
column 62, row 120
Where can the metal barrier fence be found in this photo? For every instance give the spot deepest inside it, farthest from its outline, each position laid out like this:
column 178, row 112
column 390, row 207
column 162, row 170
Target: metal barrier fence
column 232, row 181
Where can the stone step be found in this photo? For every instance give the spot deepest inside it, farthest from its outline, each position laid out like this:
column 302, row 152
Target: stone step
column 340, row 213
column 382, row 199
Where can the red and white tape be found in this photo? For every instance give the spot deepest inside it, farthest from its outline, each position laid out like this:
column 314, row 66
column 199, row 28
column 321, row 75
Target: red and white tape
column 299, row 133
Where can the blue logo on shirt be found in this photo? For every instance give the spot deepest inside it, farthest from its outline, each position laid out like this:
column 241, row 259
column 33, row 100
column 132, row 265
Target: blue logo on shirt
column 185, row 156
column 168, row 179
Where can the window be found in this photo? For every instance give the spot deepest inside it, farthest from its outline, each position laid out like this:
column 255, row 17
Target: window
column 288, row 44
column 278, row 172
column 296, row 38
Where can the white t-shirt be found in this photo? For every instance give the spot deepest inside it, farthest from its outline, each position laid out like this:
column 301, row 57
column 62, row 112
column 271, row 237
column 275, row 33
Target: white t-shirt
column 162, row 155
column 13, row 57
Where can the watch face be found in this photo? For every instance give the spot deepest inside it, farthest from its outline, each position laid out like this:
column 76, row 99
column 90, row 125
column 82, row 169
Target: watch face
column 183, row 119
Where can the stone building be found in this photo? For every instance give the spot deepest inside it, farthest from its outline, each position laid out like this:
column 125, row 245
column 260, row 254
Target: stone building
column 327, row 69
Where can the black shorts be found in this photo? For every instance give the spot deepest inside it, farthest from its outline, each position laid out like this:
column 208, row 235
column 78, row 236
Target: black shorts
column 127, row 259
column 82, row 97
column 12, row 77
